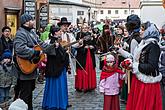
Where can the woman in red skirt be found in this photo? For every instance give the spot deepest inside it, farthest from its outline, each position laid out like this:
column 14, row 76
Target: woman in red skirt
column 145, row 93
column 85, row 79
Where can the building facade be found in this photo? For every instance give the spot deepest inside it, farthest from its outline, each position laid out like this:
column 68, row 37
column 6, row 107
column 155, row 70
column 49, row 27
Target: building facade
column 10, row 12
column 118, row 9
column 73, row 11
column 93, row 10
column 153, row 10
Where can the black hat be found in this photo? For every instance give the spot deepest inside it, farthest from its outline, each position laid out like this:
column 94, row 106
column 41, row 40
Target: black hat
column 133, row 22
column 63, row 21
column 54, row 29
column 25, row 18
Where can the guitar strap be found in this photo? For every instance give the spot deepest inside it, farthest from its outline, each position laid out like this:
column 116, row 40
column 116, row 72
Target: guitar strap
column 33, row 38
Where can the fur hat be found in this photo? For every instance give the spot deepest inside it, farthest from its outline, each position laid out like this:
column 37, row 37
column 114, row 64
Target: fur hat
column 25, row 18
column 133, row 22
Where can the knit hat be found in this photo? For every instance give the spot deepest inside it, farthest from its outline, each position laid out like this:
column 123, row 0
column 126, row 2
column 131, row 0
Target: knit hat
column 110, row 58
column 7, row 54
column 25, row 18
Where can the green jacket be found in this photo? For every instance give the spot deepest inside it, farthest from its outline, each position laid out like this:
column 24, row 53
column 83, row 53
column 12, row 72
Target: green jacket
column 45, row 35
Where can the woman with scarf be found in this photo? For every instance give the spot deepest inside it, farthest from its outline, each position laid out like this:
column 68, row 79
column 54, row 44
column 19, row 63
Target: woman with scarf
column 145, row 93
column 56, row 91
column 85, row 79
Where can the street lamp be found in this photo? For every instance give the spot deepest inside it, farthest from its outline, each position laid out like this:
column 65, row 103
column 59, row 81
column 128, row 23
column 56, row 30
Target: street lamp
column 129, row 7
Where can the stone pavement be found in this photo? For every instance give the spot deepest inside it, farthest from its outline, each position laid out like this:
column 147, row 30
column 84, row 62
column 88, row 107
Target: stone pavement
column 79, row 101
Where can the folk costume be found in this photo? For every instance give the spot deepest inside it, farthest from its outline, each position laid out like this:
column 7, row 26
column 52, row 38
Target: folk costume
column 105, row 41
column 68, row 38
column 85, row 78
column 56, row 90
column 145, row 93
column 110, row 83
column 162, row 66
column 133, row 26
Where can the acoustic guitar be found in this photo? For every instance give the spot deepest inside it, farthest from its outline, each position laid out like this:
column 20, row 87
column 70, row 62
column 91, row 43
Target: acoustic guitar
column 27, row 67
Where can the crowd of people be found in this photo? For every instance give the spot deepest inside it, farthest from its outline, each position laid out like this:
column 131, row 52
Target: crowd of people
column 131, row 58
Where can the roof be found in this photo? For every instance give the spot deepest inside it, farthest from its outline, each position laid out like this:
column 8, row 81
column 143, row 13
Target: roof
column 66, row 3
column 120, row 4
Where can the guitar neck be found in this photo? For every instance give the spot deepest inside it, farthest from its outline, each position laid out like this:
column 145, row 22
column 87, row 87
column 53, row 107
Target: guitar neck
column 70, row 44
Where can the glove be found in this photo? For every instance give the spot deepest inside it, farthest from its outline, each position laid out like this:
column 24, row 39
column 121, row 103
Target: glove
column 135, row 67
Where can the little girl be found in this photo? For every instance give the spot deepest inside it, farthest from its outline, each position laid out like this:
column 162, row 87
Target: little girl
column 109, row 83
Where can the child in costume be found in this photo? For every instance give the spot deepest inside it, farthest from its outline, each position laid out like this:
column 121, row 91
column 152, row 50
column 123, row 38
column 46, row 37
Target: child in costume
column 110, row 82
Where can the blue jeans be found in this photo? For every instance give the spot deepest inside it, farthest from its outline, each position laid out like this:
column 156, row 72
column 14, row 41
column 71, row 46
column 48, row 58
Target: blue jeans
column 4, row 94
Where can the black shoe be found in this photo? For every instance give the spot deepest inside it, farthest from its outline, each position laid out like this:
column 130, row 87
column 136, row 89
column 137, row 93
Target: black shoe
column 78, row 90
column 68, row 106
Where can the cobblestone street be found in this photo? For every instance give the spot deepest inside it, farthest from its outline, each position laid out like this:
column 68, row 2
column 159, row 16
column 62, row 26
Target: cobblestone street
column 79, row 101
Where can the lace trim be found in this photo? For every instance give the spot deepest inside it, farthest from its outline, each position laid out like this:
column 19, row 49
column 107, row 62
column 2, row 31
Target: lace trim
column 148, row 79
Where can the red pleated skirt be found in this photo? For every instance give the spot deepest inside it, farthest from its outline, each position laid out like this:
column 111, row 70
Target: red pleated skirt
column 144, row 96
column 86, row 80
column 111, row 102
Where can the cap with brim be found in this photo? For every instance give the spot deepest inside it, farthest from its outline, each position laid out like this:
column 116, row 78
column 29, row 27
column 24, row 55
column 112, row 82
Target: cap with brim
column 63, row 21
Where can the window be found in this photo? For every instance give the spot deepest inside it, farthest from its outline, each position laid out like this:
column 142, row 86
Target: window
column 123, row 1
column 80, row 12
column 101, row 12
column 109, row 11
column 125, row 12
column 116, row 12
column 132, row 11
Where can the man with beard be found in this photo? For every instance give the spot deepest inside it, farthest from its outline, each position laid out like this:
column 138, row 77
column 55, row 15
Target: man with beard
column 105, row 41
column 24, row 43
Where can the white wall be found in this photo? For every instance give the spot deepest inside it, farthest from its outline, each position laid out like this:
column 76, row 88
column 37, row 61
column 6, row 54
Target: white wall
column 120, row 15
column 75, row 16
column 69, row 11
column 75, row 1
column 152, row 10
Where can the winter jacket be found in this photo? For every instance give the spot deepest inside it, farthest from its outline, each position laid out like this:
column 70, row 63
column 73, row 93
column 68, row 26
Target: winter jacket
column 24, row 42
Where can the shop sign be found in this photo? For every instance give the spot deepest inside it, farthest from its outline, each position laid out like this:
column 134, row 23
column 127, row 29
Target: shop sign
column 30, row 7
